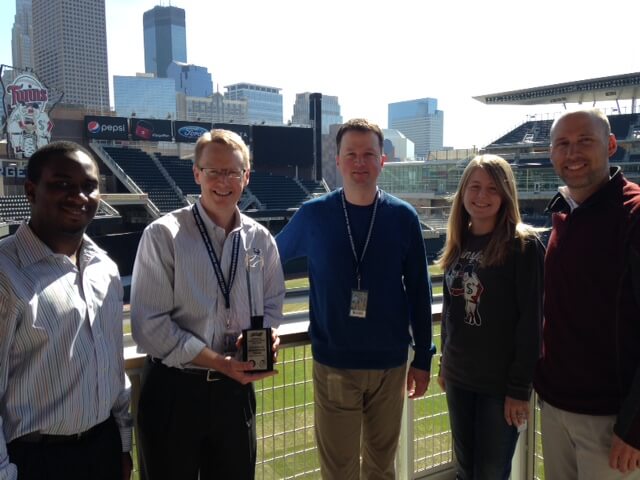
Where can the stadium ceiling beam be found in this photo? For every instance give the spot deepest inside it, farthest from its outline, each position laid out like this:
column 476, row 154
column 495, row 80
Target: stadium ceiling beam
column 613, row 88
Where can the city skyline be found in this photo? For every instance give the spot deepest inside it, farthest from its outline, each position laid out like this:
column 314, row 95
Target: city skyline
column 370, row 57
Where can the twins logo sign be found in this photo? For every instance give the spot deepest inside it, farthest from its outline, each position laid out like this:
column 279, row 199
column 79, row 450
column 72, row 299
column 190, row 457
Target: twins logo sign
column 28, row 124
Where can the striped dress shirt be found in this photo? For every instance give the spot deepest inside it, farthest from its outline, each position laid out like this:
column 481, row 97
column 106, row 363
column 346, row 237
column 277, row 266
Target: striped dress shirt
column 177, row 307
column 61, row 353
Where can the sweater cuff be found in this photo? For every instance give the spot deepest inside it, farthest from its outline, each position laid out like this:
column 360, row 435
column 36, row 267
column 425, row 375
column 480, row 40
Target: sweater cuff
column 519, row 392
column 422, row 357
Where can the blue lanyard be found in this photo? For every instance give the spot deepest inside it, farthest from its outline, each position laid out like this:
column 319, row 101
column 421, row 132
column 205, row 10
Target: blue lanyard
column 225, row 287
column 366, row 243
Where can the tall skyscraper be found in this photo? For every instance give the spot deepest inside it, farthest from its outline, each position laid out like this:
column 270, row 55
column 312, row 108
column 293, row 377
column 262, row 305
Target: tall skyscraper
column 330, row 111
column 264, row 103
column 165, row 39
column 421, row 121
column 70, row 50
column 22, row 35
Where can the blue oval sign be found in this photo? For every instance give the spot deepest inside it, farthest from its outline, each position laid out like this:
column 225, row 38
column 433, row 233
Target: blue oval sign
column 191, row 131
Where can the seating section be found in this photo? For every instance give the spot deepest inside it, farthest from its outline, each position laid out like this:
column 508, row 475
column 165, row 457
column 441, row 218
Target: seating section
column 539, row 131
column 313, row 187
column 621, row 124
column 528, row 132
column 15, row 208
column 276, row 192
column 140, row 167
column 181, row 172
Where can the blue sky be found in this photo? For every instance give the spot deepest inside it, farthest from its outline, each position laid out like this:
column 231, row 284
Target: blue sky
column 372, row 53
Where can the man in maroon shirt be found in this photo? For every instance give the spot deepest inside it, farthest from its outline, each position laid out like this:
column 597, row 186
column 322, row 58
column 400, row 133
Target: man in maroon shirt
column 588, row 378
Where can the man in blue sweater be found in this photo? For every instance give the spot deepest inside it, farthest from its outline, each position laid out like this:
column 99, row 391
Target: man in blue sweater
column 370, row 296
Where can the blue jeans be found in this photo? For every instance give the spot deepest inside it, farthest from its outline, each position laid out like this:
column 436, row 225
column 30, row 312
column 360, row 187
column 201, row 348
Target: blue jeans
column 483, row 442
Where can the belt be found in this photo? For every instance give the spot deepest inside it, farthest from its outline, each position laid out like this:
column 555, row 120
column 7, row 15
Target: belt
column 38, row 437
column 207, row 374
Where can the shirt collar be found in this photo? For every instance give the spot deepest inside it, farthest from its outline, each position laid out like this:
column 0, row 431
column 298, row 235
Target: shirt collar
column 563, row 203
column 238, row 220
column 32, row 250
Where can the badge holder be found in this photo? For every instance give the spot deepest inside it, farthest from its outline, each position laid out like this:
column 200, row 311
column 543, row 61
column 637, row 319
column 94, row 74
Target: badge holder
column 359, row 298
column 257, row 339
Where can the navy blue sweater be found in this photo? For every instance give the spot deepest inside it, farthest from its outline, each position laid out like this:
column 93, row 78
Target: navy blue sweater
column 394, row 272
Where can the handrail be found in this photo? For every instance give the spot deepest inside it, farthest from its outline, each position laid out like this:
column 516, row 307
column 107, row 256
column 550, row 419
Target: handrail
column 115, row 168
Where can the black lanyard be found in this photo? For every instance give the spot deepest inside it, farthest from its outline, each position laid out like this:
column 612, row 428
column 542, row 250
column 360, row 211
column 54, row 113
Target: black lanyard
column 366, row 243
column 225, row 287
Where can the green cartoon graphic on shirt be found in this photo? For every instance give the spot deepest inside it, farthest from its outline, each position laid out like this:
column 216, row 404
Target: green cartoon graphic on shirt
column 462, row 280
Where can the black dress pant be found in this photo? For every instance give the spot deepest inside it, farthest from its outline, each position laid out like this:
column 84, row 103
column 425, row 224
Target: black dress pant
column 98, row 456
column 189, row 426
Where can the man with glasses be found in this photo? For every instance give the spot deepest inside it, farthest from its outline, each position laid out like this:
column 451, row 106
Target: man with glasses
column 189, row 304
column 370, row 294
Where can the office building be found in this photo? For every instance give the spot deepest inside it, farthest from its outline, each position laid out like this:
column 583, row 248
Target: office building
column 397, row 147
column 70, row 50
column 264, row 104
column 421, row 121
column 21, row 36
column 192, row 80
column 330, row 111
column 212, row 109
column 165, row 39
column 145, row 96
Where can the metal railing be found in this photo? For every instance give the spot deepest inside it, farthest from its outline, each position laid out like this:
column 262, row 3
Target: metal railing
column 285, row 422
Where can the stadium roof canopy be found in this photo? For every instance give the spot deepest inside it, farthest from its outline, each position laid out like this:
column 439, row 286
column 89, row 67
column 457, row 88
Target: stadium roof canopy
column 617, row 87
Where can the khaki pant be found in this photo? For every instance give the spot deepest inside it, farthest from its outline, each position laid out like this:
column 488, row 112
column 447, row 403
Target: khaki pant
column 576, row 447
column 358, row 413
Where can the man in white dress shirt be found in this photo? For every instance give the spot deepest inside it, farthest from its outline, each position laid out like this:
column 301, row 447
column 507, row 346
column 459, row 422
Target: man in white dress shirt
column 63, row 402
column 189, row 304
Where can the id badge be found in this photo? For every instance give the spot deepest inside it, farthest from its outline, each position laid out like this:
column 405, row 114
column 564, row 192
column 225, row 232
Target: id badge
column 358, row 303
column 229, row 347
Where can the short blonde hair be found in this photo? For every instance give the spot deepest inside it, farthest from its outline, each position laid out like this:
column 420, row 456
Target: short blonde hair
column 223, row 137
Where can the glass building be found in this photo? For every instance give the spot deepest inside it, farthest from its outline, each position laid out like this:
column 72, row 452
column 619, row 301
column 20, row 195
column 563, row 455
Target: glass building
column 144, row 96
column 264, row 104
column 213, row 109
column 192, row 80
column 330, row 111
column 421, row 121
column 165, row 39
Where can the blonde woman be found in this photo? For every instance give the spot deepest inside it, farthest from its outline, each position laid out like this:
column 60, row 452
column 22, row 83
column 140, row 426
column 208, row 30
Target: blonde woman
column 492, row 315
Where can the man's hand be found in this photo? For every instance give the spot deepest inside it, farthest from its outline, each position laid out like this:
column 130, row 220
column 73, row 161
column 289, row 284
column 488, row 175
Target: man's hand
column 516, row 412
column 441, row 383
column 417, row 382
column 241, row 371
column 127, row 465
column 623, row 456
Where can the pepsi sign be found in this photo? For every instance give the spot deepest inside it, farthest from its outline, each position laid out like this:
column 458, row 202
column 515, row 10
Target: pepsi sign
column 189, row 132
column 106, row 128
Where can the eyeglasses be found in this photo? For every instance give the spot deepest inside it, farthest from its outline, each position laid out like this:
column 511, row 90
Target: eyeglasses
column 216, row 174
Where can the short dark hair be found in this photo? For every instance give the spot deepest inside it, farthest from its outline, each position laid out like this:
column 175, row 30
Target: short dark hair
column 44, row 154
column 360, row 125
